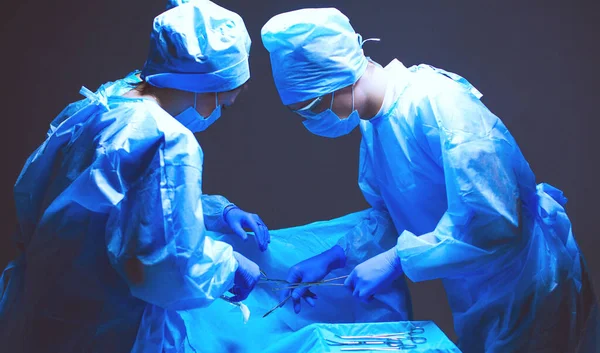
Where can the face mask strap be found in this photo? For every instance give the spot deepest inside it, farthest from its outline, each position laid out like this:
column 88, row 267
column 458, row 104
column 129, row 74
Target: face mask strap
column 332, row 97
column 216, row 100
column 195, row 99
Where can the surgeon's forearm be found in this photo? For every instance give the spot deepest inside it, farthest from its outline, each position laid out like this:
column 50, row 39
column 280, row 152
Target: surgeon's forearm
column 180, row 281
column 212, row 209
column 337, row 256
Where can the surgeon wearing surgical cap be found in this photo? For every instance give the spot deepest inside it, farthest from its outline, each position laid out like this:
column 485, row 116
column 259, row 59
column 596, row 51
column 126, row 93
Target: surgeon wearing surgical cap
column 112, row 220
column 453, row 180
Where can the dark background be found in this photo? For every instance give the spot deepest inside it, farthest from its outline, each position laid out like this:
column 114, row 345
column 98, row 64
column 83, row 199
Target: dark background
column 536, row 64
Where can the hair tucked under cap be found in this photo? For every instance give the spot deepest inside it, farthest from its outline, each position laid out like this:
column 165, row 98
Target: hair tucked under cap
column 198, row 46
column 313, row 52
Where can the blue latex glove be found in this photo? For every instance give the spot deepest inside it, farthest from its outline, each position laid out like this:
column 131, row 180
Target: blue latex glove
column 237, row 219
column 310, row 270
column 374, row 274
column 246, row 277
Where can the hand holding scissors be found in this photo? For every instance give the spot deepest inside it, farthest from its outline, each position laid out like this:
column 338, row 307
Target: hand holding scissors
column 290, row 286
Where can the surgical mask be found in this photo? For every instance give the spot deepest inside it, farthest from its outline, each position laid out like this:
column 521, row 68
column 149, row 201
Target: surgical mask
column 328, row 123
column 194, row 121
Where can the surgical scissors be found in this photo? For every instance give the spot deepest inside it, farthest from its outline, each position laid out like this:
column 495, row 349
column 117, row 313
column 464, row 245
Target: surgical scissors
column 371, row 349
column 407, row 335
column 392, row 342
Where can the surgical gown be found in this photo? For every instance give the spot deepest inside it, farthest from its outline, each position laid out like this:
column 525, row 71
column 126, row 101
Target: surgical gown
column 465, row 203
column 117, row 181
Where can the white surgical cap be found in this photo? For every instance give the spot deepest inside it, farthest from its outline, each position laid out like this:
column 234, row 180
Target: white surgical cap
column 199, row 47
column 313, row 52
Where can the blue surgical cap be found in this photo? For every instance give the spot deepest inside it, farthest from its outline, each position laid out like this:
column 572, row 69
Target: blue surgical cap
column 313, row 52
column 199, row 47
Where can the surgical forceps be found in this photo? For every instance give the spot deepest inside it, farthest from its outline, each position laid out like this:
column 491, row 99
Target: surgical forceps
column 288, row 285
column 281, row 303
column 394, row 341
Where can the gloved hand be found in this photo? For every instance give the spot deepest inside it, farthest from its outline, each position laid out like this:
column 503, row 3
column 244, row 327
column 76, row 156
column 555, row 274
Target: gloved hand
column 237, row 219
column 374, row 274
column 312, row 270
column 246, row 277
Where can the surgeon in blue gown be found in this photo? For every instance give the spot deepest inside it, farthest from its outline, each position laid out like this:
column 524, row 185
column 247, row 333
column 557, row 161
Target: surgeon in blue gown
column 111, row 214
column 453, row 180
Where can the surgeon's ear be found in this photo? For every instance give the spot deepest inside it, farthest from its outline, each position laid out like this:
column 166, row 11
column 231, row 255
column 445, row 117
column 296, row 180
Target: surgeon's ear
column 229, row 97
column 241, row 89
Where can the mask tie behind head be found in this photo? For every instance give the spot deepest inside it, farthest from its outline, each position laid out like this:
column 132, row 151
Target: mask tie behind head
column 362, row 42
